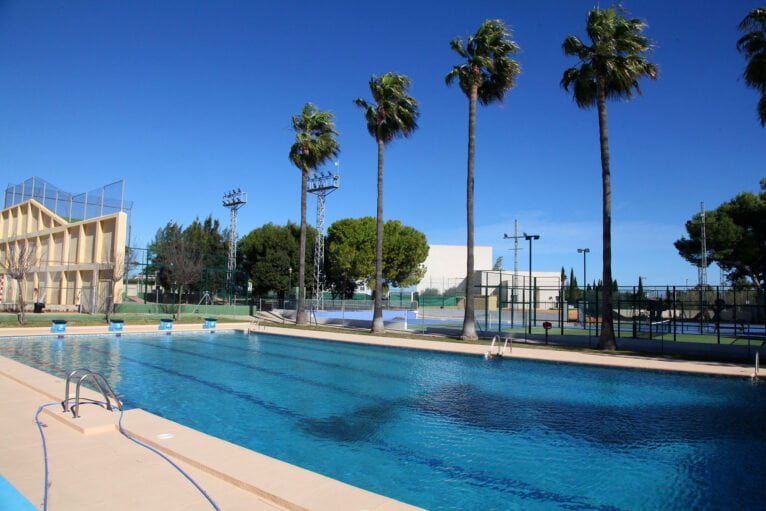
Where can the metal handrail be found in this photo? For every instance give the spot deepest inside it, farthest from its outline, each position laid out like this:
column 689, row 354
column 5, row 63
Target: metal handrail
column 500, row 350
column 73, row 374
column 99, row 381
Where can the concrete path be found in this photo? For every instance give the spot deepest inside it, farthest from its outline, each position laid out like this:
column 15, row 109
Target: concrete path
column 97, row 471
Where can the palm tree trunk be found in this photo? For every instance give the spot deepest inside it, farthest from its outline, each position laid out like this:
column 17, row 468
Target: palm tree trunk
column 469, row 321
column 377, row 317
column 300, row 312
column 606, row 340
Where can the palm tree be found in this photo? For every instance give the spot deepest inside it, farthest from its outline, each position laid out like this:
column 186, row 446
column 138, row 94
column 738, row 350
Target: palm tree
column 608, row 69
column 393, row 114
column 315, row 143
column 486, row 75
column 753, row 46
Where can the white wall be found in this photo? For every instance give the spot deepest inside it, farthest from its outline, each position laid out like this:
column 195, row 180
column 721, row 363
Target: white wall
column 548, row 284
column 446, row 265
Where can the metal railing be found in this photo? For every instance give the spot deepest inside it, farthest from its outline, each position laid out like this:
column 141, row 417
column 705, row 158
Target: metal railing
column 99, row 381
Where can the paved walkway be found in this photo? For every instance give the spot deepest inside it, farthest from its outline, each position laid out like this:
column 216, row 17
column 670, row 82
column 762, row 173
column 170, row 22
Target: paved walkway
column 97, row 471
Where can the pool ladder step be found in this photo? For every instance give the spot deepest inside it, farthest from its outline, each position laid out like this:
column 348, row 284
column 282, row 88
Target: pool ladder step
column 82, row 375
column 496, row 350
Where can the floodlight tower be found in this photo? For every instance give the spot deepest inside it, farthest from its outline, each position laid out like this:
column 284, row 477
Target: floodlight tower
column 321, row 184
column 233, row 200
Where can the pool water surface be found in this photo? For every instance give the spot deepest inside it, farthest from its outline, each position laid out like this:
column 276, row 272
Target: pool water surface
column 445, row 431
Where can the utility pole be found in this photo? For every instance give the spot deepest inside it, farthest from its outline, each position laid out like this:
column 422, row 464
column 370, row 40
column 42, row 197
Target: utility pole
column 516, row 248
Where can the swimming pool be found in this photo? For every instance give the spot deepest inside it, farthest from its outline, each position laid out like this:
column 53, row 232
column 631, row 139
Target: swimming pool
column 445, row 431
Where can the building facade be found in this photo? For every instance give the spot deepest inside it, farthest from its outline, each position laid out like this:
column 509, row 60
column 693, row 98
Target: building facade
column 73, row 263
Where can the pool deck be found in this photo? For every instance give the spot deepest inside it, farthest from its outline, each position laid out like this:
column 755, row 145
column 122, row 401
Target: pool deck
column 92, row 466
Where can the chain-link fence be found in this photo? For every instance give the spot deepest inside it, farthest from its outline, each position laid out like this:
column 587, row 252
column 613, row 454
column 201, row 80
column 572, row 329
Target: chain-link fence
column 73, row 207
column 91, row 298
column 151, row 282
column 717, row 315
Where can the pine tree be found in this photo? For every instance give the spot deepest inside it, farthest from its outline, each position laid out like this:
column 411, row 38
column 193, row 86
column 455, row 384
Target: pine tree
column 574, row 291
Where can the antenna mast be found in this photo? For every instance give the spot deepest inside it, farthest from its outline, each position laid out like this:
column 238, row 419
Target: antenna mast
column 515, row 237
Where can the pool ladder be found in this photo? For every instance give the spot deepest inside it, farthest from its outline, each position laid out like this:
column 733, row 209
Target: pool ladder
column 99, row 381
column 757, row 368
column 497, row 351
column 255, row 325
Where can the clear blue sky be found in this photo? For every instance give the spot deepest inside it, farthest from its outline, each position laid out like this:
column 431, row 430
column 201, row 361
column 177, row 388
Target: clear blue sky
column 186, row 100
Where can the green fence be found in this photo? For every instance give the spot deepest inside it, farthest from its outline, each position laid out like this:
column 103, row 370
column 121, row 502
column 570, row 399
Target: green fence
column 170, row 308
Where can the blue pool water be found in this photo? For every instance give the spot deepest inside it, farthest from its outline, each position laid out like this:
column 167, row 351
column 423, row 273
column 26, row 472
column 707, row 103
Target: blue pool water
column 446, row 431
column 11, row 499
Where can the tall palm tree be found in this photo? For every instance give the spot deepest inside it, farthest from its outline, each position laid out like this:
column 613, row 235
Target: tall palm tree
column 608, row 69
column 753, row 46
column 315, row 143
column 392, row 114
column 486, row 75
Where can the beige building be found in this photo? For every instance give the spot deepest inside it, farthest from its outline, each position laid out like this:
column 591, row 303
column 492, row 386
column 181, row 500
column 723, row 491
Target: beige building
column 77, row 246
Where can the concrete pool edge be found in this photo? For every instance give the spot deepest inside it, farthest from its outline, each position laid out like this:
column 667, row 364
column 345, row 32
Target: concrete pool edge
column 647, row 362
column 544, row 355
column 276, row 482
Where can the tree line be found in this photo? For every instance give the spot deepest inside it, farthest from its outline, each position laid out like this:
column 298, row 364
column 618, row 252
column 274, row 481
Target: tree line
column 269, row 256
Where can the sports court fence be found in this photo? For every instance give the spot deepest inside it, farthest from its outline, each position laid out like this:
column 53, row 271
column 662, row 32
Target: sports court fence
column 713, row 314
column 100, row 201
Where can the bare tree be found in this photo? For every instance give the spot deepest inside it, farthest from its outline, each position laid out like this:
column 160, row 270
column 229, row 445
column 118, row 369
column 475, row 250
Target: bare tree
column 120, row 269
column 18, row 262
column 185, row 269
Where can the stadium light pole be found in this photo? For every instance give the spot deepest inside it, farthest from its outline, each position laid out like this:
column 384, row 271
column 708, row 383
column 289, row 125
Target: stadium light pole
column 584, row 252
column 530, row 238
